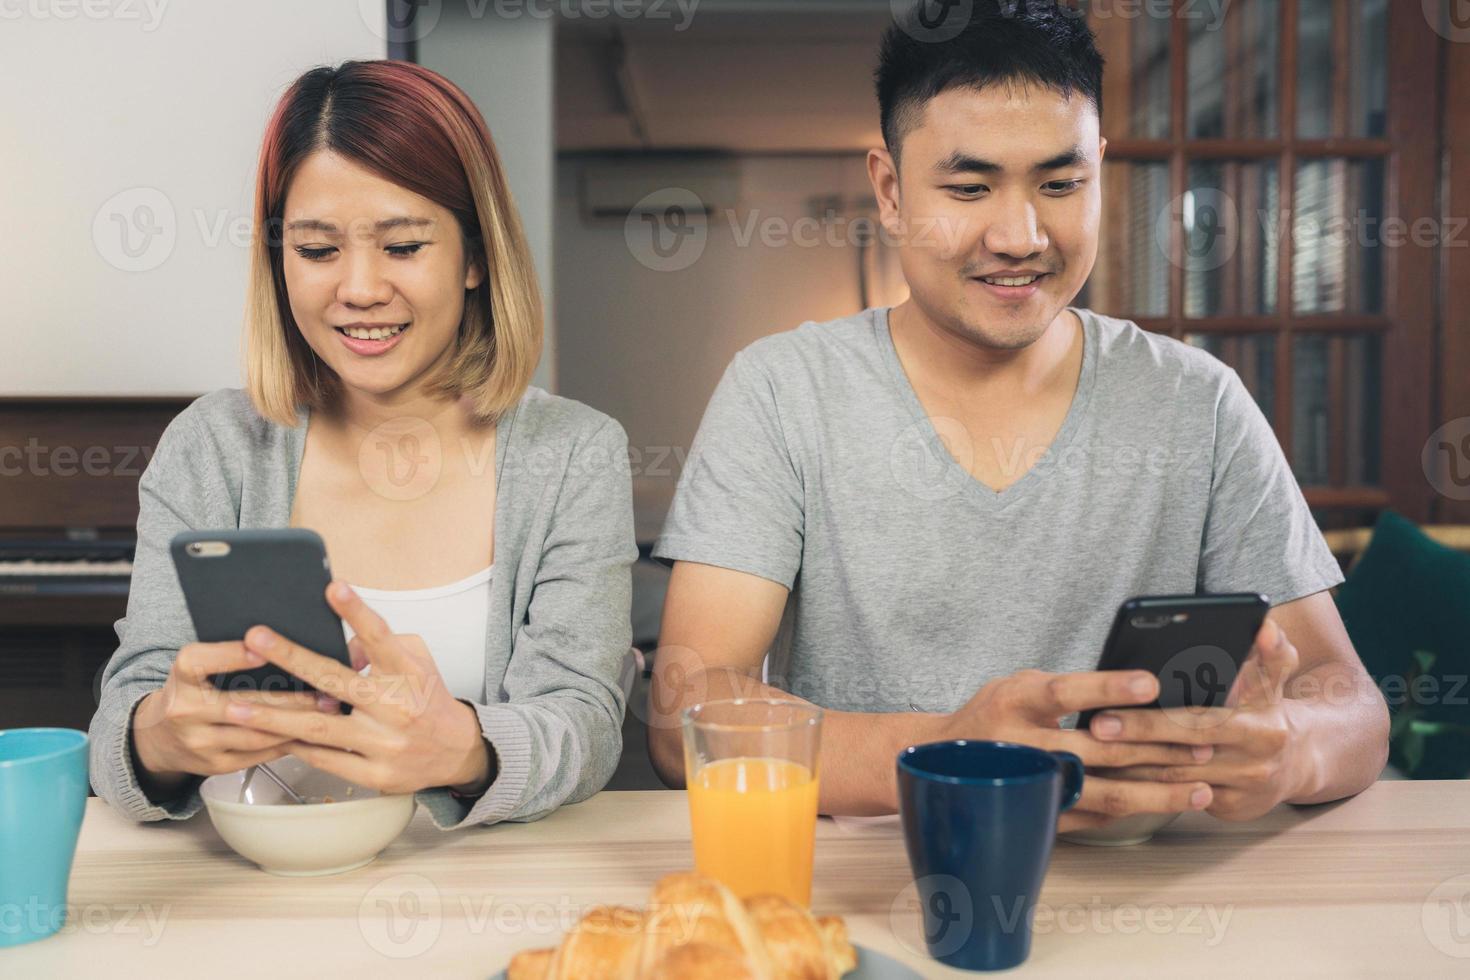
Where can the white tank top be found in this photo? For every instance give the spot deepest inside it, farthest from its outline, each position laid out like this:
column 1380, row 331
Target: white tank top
column 451, row 618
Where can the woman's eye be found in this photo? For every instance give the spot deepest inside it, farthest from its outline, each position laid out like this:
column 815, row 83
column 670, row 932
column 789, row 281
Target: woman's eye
column 317, row 254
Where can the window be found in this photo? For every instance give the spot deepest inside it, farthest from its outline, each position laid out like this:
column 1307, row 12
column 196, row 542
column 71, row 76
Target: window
column 1260, row 186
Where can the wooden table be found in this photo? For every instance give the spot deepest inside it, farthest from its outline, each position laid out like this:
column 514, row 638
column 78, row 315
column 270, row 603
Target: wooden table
column 1364, row 887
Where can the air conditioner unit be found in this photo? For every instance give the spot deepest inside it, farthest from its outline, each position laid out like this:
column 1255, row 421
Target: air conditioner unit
column 615, row 189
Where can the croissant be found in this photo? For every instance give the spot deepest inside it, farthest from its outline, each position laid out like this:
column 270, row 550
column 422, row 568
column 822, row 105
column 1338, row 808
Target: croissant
column 695, row 929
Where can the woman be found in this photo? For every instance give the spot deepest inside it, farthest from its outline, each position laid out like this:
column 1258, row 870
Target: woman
column 393, row 324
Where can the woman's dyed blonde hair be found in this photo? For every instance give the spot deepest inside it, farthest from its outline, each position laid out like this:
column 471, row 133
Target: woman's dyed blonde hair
column 418, row 130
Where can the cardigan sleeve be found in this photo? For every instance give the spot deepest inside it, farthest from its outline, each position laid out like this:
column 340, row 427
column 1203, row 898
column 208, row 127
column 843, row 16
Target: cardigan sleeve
column 174, row 494
column 557, row 736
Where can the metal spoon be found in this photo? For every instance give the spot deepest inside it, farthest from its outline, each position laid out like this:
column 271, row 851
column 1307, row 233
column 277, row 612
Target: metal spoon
column 271, row 775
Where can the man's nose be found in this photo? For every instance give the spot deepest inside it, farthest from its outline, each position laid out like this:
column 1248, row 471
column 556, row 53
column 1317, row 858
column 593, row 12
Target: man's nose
column 1015, row 230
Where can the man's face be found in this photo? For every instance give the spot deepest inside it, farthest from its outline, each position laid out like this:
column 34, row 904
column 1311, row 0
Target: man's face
column 997, row 210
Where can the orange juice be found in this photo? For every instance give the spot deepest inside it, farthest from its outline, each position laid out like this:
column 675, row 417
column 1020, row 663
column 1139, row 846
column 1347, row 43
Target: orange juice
column 754, row 823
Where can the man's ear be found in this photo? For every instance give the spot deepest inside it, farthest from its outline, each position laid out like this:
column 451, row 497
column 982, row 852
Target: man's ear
column 883, row 175
column 1102, row 147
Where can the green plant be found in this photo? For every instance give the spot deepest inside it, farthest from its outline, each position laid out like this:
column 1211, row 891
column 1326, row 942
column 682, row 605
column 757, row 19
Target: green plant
column 1408, row 732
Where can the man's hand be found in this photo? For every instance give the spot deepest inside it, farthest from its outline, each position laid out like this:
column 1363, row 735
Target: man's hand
column 1026, row 707
column 1257, row 762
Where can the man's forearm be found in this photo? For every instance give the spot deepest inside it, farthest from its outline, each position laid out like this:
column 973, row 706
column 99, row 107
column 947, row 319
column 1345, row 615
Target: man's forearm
column 1341, row 731
column 858, row 754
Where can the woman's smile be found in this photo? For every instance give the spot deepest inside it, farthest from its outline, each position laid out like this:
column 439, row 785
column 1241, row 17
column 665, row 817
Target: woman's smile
column 370, row 340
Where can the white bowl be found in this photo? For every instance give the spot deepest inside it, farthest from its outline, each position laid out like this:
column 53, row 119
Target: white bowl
column 261, row 823
column 1132, row 829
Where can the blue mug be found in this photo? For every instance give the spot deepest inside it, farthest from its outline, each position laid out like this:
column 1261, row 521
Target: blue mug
column 979, row 819
column 43, row 794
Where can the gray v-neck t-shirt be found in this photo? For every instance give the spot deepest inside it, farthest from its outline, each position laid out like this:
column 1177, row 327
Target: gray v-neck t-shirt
column 912, row 583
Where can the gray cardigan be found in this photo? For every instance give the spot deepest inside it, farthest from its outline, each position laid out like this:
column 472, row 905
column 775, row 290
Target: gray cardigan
column 559, row 600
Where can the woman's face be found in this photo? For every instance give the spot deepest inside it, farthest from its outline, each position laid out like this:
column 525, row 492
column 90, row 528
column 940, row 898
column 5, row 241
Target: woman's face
column 361, row 251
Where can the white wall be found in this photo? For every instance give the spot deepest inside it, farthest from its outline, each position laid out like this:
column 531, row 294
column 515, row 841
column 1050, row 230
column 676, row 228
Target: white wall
column 649, row 346
column 505, row 64
column 124, row 116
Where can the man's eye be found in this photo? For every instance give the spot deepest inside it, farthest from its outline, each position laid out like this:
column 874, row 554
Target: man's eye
column 406, row 249
column 968, row 190
column 314, row 254
column 1062, row 186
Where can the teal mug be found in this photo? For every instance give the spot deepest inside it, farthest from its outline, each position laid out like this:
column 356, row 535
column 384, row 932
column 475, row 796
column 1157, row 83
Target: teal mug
column 43, row 794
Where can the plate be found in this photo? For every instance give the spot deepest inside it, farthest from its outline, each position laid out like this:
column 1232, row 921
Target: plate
column 871, row 966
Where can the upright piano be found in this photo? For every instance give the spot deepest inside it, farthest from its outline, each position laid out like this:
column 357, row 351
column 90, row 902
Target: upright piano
column 69, row 470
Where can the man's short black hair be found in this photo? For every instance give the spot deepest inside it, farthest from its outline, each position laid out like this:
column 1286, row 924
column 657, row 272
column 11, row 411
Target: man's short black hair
column 926, row 52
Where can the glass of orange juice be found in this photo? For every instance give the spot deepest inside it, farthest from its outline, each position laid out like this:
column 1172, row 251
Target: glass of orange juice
column 751, row 768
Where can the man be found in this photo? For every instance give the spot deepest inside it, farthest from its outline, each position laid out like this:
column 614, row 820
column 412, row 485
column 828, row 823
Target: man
column 929, row 515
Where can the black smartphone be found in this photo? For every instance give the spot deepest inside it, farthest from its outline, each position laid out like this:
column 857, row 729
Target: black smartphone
column 233, row 580
column 1194, row 644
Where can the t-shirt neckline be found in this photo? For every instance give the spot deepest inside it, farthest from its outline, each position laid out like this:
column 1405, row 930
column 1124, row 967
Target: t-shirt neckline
column 978, row 491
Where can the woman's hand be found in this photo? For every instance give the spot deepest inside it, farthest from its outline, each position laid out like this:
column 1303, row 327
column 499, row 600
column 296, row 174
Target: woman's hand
column 406, row 731
column 182, row 729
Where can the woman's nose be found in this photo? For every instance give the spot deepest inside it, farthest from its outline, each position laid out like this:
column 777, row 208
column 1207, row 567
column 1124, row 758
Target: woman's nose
column 363, row 283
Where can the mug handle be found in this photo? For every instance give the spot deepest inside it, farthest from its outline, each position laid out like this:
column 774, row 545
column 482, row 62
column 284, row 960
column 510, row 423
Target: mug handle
column 1071, row 778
